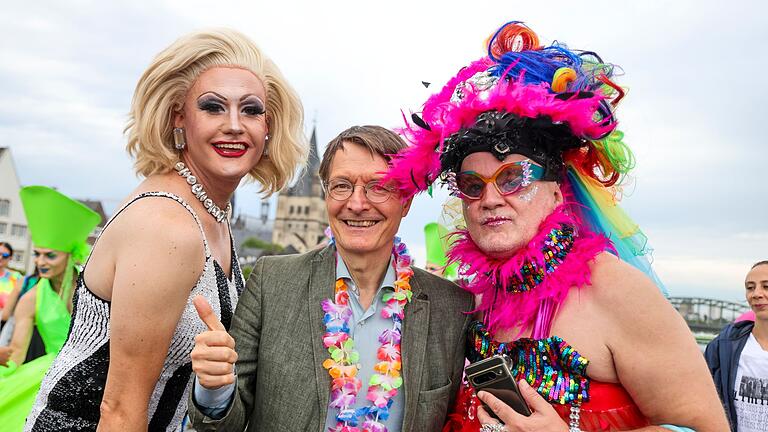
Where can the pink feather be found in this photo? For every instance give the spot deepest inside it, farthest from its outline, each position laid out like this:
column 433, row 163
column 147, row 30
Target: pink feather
column 415, row 168
column 489, row 277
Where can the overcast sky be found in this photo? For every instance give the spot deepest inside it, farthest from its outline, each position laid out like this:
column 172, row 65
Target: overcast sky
column 693, row 115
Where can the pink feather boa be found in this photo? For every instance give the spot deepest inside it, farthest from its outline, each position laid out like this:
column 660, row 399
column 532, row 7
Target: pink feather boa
column 489, row 277
column 415, row 168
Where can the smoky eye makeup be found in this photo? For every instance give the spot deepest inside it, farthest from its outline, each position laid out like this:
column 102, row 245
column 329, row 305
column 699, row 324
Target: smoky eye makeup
column 253, row 106
column 210, row 103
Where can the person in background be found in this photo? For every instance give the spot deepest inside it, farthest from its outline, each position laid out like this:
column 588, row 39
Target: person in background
column 738, row 359
column 10, row 280
column 437, row 237
column 59, row 227
column 36, row 347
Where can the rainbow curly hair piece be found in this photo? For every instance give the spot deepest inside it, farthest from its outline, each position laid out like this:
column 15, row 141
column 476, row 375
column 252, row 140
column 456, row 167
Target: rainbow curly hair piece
column 552, row 104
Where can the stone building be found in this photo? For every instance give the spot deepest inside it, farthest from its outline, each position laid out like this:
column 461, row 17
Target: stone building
column 301, row 218
column 98, row 207
column 13, row 222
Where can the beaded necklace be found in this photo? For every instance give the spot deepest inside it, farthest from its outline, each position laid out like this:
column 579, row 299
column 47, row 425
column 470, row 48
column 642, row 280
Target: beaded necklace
column 342, row 365
column 199, row 191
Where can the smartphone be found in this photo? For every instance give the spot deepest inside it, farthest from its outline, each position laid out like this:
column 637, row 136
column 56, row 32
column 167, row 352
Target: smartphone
column 494, row 376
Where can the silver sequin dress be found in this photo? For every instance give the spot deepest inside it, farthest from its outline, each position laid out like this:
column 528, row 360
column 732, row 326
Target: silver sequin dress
column 71, row 392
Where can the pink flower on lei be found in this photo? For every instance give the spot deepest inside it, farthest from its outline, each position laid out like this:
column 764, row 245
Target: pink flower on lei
column 341, row 427
column 373, row 426
column 335, row 339
column 379, row 396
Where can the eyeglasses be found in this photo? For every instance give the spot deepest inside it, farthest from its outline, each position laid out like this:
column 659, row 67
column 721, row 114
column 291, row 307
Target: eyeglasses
column 341, row 190
column 508, row 179
column 5, row 255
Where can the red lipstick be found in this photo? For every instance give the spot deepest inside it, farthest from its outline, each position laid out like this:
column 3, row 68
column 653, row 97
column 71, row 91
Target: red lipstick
column 225, row 148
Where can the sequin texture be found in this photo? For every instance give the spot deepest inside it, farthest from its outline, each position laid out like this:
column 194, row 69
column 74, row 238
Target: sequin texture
column 555, row 249
column 549, row 365
column 71, row 392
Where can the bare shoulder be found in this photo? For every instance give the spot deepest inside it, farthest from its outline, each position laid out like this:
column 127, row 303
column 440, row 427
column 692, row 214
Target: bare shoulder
column 626, row 295
column 158, row 256
column 645, row 334
column 25, row 308
column 158, row 226
column 632, row 303
column 614, row 280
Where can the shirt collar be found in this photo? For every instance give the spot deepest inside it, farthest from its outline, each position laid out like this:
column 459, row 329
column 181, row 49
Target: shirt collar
column 342, row 272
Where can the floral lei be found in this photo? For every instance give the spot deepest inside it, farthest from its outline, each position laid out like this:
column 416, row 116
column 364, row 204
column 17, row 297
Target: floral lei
column 342, row 365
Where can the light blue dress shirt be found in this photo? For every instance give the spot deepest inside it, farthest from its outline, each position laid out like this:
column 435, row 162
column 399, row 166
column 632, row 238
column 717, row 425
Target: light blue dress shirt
column 365, row 327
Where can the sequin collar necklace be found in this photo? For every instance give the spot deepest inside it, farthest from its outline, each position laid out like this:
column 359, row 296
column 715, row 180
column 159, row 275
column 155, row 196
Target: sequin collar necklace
column 512, row 289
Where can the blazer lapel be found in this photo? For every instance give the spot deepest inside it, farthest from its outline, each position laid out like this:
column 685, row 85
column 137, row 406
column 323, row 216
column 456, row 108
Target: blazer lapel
column 413, row 347
column 321, row 287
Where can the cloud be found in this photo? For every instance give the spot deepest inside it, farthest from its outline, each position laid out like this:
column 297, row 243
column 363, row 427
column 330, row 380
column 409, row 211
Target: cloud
column 713, row 264
column 693, row 116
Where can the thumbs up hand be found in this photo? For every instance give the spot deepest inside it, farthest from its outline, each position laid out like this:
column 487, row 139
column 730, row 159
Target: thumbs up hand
column 213, row 356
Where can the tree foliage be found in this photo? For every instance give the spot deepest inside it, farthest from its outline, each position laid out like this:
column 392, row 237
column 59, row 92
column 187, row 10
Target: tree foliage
column 257, row 243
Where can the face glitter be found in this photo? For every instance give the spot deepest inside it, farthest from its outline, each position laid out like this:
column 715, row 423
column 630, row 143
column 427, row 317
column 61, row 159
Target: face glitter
column 530, row 193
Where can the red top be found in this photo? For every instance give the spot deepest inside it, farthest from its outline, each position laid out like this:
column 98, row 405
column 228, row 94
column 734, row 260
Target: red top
column 610, row 408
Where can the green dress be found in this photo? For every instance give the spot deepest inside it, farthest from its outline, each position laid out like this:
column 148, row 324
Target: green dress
column 19, row 385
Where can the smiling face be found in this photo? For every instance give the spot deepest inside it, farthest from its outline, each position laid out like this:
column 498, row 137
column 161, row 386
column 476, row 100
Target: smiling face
column 225, row 124
column 502, row 224
column 360, row 226
column 756, row 285
column 51, row 263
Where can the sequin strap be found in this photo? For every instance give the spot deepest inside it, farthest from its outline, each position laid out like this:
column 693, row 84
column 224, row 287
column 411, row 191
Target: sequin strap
column 549, row 365
column 163, row 195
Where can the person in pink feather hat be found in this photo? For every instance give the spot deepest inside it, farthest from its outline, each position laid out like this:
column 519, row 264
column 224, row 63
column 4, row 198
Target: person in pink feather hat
column 526, row 137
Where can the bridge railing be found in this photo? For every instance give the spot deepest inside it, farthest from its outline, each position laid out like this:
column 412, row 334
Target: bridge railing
column 707, row 314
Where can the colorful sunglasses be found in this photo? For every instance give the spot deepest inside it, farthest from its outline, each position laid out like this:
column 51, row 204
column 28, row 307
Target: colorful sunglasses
column 508, row 179
column 5, row 255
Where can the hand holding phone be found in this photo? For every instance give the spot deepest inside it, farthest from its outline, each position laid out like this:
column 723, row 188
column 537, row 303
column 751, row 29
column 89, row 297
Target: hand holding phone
column 494, row 376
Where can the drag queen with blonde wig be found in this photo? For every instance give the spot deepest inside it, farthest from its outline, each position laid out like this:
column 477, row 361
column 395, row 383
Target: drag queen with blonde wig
column 210, row 110
column 526, row 138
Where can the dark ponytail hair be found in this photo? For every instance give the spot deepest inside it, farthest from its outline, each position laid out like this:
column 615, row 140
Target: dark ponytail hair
column 7, row 246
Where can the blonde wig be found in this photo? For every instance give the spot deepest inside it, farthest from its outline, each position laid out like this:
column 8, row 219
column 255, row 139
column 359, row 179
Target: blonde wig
column 161, row 90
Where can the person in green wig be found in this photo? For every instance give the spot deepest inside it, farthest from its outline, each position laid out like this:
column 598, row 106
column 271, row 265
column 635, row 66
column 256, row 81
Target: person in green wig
column 59, row 227
column 438, row 239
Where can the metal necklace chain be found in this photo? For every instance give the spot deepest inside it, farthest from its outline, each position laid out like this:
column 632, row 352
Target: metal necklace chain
column 200, row 193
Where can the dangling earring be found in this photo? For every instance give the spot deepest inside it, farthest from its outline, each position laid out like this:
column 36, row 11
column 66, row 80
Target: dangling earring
column 178, row 138
column 266, row 148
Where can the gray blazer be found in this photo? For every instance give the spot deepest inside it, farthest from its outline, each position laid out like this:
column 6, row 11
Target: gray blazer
column 278, row 328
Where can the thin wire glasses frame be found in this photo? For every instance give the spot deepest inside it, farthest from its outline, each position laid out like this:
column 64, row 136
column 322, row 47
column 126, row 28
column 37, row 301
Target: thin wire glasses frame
column 342, row 189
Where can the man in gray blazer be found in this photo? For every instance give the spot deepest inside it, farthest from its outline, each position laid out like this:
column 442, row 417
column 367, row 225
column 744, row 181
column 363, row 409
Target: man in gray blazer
column 277, row 333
